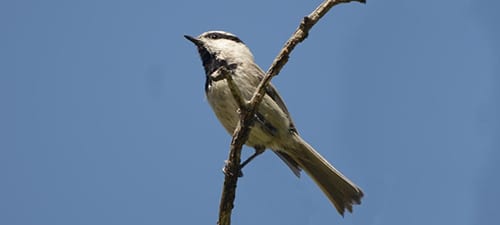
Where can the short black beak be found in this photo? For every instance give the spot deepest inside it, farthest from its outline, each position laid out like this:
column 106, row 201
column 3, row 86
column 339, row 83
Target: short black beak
column 196, row 41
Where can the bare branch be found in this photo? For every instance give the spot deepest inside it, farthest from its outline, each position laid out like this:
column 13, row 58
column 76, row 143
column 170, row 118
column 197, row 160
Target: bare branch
column 225, row 73
column 247, row 111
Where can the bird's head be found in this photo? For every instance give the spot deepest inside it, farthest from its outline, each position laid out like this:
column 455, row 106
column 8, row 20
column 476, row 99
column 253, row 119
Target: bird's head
column 216, row 47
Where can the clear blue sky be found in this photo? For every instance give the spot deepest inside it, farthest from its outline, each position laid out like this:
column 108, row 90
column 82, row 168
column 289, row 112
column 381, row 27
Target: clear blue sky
column 103, row 118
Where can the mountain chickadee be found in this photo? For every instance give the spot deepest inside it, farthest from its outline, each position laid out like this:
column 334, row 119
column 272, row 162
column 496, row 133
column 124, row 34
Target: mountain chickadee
column 273, row 127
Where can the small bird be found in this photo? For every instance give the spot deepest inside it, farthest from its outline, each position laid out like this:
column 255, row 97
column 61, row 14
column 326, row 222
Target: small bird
column 273, row 127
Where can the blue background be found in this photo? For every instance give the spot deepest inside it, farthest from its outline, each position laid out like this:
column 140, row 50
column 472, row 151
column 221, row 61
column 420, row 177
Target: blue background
column 103, row 118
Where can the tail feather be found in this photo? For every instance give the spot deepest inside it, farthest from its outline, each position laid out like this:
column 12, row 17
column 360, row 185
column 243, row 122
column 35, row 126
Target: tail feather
column 342, row 192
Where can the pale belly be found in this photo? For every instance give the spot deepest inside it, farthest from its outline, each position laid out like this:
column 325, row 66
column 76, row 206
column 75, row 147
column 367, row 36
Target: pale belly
column 223, row 104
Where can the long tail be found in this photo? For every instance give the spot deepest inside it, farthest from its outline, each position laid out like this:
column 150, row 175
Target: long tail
column 342, row 192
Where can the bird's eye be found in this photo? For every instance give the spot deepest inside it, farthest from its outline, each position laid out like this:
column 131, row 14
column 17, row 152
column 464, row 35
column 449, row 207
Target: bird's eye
column 213, row 36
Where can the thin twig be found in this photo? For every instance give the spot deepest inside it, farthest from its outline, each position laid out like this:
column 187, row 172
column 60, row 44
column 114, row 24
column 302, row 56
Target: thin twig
column 247, row 111
column 224, row 72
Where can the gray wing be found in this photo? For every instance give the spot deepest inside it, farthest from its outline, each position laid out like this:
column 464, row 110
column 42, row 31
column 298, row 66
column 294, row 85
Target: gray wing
column 272, row 92
column 275, row 96
column 290, row 162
